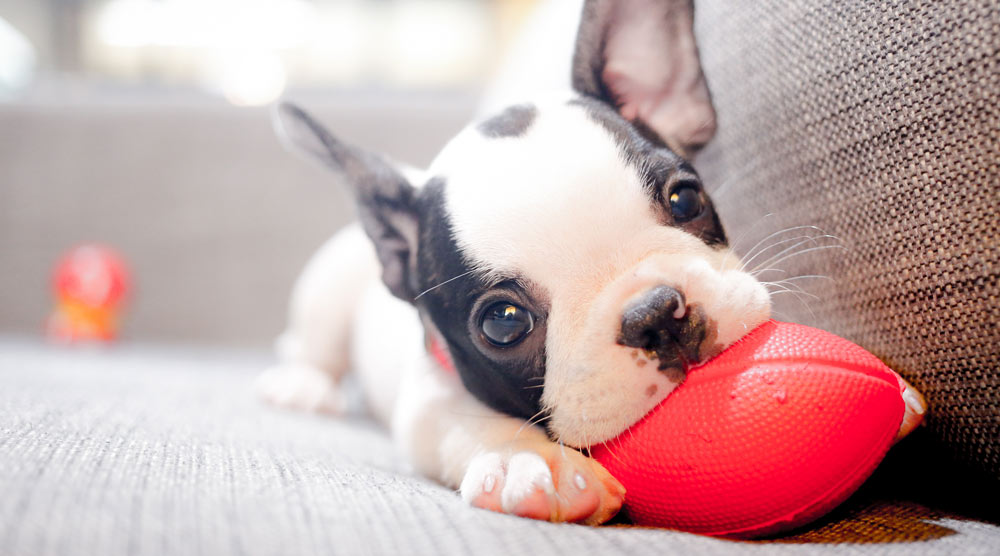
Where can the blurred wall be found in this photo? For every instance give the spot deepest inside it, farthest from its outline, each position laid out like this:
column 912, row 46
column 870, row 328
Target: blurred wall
column 214, row 217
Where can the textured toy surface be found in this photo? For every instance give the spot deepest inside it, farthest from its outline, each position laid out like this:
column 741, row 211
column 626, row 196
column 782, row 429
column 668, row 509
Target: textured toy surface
column 769, row 435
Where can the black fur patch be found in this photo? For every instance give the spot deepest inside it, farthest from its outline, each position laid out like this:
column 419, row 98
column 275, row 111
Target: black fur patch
column 385, row 200
column 658, row 166
column 508, row 380
column 512, row 122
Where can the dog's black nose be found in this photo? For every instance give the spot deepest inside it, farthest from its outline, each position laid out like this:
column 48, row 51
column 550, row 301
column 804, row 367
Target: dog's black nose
column 658, row 321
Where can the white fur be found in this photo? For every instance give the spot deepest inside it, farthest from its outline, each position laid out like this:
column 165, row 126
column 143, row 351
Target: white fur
column 527, row 473
column 559, row 209
column 482, row 477
column 314, row 352
column 600, row 247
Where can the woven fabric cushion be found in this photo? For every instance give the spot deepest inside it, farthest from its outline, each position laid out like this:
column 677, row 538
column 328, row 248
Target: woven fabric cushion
column 140, row 451
column 878, row 123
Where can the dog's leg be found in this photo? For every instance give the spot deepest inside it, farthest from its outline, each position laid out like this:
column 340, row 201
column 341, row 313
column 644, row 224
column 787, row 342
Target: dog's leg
column 314, row 351
column 497, row 462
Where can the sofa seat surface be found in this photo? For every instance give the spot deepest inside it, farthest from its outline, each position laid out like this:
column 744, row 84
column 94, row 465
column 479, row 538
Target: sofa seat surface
column 138, row 450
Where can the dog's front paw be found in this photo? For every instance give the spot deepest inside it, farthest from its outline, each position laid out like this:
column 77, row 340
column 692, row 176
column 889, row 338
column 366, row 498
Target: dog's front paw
column 542, row 480
column 299, row 387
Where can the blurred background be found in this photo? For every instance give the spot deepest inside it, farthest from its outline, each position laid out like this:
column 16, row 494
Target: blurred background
column 143, row 125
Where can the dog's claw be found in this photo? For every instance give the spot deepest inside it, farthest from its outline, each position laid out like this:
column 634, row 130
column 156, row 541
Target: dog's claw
column 915, row 409
column 542, row 480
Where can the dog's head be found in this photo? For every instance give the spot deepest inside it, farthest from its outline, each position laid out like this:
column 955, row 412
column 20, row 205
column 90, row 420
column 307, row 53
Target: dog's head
column 568, row 258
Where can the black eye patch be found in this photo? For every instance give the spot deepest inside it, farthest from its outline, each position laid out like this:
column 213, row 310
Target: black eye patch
column 507, row 378
column 661, row 170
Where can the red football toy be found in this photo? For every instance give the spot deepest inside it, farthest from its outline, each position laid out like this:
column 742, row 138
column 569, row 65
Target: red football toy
column 772, row 433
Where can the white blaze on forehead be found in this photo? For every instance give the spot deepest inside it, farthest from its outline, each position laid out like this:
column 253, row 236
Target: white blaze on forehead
column 546, row 203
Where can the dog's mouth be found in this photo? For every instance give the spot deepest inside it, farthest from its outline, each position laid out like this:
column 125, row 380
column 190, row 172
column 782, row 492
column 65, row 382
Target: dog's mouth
column 668, row 352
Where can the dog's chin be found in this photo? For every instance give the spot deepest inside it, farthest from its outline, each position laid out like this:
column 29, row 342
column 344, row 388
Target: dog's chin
column 611, row 401
column 614, row 401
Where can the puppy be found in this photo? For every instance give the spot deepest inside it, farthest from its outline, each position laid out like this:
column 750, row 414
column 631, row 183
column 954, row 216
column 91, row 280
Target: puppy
column 541, row 287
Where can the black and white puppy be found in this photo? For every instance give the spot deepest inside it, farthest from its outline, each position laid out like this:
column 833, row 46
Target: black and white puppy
column 544, row 284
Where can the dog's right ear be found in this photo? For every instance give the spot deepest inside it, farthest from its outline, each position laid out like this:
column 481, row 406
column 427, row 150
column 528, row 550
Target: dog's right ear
column 640, row 56
column 386, row 201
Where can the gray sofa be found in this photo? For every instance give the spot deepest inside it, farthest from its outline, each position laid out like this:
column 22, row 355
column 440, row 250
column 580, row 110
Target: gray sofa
column 878, row 123
column 875, row 122
column 144, row 450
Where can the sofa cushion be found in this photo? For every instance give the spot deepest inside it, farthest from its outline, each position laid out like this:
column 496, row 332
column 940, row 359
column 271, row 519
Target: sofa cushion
column 878, row 123
column 142, row 451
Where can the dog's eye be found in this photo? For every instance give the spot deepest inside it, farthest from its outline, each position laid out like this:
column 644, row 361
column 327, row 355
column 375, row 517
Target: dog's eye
column 504, row 324
column 685, row 202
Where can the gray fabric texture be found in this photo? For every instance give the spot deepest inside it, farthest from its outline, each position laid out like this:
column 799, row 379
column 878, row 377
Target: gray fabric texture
column 878, row 123
column 157, row 452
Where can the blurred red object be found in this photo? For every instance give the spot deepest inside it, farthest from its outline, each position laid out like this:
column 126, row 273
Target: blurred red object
column 91, row 284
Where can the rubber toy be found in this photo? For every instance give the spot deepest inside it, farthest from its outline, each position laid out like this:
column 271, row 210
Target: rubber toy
column 90, row 283
column 769, row 435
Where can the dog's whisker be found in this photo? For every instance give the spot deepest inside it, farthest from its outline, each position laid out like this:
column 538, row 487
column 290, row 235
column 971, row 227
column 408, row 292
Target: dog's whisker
column 777, row 283
column 785, row 286
column 758, row 273
column 806, row 238
column 607, row 446
column 476, row 415
column 618, row 443
column 788, row 282
column 792, row 284
column 803, row 276
column 719, row 191
column 802, row 240
column 794, row 292
column 805, row 304
column 743, row 235
column 517, row 434
column 780, row 315
column 777, row 288
column 778, row 233
column 533, row 421
column 613, row 447
column 804, row 251
column 745, row 262
column 432, row 288
column 539, row 416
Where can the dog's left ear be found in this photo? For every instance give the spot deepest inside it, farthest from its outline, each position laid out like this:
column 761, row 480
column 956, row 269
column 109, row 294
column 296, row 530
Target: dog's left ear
column 641, row 56
column 385, row 199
